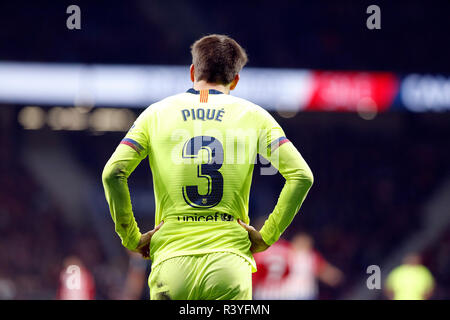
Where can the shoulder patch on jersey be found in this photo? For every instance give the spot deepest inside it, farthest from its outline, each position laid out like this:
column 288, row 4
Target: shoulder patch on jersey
column 133, row 144
column 277, row 143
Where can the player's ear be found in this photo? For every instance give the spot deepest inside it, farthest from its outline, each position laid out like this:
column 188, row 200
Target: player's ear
column 234, row 82
column 192, row 71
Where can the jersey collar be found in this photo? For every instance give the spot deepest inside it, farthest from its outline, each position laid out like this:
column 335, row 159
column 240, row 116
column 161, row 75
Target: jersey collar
column 211, row 91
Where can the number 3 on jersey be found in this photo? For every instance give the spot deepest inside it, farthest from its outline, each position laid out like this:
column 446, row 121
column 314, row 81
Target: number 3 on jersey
column 208, row 170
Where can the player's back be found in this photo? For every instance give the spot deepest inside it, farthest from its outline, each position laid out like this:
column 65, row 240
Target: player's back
column 202, row 149
column 202, row 146
column 201, row 154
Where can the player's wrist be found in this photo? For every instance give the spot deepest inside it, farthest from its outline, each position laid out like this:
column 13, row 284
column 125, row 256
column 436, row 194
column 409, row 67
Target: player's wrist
column 268, row 240
column 133, row 241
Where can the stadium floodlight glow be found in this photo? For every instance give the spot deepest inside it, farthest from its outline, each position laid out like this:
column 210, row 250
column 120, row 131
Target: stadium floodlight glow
column 32, row 118
column 286, row 91
column 79, row 120
column 59, row 118
column 367, row 108
column 286, row 114
column 139, row 86
column 109, row 119
column 54, row 118
column 83, row 109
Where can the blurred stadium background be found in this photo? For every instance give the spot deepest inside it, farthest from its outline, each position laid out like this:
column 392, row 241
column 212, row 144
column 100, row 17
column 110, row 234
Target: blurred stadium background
column 368, row 109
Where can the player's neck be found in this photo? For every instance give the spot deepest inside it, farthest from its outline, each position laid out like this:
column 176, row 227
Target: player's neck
column 203, row 85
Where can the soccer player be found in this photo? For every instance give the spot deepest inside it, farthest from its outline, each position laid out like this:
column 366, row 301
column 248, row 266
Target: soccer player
column 202, row 145
column 82, row 284
column 290, row 270
column 410, row 281
column 274, row 266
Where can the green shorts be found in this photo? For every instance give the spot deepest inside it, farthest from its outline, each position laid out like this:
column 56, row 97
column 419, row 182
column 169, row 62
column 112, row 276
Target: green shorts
column 211, row 276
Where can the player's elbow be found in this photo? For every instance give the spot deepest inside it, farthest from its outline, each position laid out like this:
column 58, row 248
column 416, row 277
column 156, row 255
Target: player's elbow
column 107, row 176
column 303, row 177
column 308, row 177
column 111, row 174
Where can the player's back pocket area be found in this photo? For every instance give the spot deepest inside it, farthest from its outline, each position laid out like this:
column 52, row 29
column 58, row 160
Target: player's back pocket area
column 228, row 276
column 211, row 276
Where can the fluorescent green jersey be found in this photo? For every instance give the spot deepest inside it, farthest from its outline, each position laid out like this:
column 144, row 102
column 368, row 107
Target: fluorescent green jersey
column 410, row 282
column 202, row 146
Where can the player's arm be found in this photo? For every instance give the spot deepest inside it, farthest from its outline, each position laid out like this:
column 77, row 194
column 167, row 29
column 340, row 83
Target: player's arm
column 299, row 179
column 115, row 175
column 326, row 272
column 128, row 154
column 275, row 147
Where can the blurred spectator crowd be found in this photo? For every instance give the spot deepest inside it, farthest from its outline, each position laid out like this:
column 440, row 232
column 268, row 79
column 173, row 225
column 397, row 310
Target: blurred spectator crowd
column 372, row 178
column 372, row 182
column 303, row 34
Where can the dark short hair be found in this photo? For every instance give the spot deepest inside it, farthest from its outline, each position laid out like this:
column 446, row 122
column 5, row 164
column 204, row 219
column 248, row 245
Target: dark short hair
column 217, row 58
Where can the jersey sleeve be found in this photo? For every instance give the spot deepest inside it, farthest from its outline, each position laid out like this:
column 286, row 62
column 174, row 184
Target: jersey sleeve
column 283, row 155
column 132, row 149
column 390, row 281
column 319, row 263
column 429, row 280
column 271, row 135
